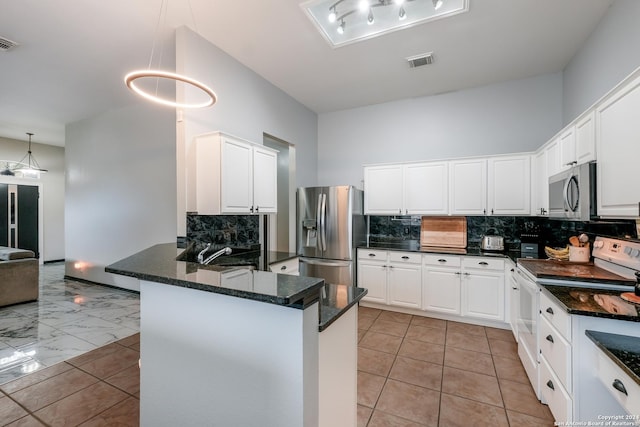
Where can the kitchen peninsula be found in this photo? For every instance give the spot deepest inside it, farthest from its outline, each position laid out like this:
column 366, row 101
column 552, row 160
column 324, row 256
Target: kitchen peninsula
column 234, row 345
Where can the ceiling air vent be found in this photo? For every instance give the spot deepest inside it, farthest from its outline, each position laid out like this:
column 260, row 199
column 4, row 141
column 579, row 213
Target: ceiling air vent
column 6, row 44
column 420, row 60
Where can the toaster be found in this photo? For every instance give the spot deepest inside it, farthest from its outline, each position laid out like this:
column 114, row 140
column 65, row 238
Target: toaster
column 492, row 243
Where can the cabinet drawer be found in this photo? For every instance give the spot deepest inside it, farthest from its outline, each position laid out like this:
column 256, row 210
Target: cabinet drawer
column 372, row 254
column 554, row 394
column 289, row 266
column 557, row 351
column 483, row 263
column 405, row 257
column 609, row 373
column 441, row 260
column 556, row 316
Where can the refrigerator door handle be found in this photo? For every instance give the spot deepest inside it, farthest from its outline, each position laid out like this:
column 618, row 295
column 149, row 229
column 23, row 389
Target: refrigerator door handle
column 332, row 263
column 323, row 223
column 319, row 221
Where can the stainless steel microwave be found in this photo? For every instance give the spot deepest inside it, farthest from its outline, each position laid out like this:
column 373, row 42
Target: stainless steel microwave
column 572, row 193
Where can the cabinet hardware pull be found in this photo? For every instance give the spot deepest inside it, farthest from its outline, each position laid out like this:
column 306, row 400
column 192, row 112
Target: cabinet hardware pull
column 484, row 211
column 391, row 266
column 491, row 211
column 257, row 209
column 284, row 267
column 617, row 384
column 458, row 273
column 372, row 254
column 406, row 211
column 251, row 209
column 549, row 310
column 442, row 260
column 512, row 270
column 550, row 385
column 400, row 211
column 514, row 288
column 549, row 338
column 483, row 263
column 466, row 274
column 405, row 257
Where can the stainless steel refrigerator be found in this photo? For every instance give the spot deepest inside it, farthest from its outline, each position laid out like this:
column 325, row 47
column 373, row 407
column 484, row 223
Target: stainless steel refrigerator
column 331, row 225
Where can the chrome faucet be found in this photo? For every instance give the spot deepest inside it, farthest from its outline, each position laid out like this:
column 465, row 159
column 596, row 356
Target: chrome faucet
column 202, row 252
column 224, row 251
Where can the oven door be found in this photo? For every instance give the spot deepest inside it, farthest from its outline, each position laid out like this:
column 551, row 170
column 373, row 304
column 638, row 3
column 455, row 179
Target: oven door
column 528, row 350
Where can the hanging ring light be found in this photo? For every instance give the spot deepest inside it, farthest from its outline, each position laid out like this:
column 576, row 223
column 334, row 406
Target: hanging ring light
column 130, row 79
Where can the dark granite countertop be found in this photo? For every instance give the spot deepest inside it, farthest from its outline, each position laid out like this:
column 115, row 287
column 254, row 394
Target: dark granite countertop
column 335, row 300
column 594, row 302
column 565, row 270
column 624, row 350
column 412, row 246
column 158, row 264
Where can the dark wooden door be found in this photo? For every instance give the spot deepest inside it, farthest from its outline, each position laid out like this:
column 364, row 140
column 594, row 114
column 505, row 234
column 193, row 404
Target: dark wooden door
column 28, row 218
column 4, row 215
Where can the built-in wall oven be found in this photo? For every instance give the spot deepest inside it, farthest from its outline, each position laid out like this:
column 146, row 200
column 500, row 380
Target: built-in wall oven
column 527, row 325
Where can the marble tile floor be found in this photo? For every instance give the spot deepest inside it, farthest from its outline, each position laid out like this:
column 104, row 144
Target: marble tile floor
column 417, row 371
column 70, row 318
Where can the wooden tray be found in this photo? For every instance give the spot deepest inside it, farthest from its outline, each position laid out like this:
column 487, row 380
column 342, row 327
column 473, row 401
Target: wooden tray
column 444, row 231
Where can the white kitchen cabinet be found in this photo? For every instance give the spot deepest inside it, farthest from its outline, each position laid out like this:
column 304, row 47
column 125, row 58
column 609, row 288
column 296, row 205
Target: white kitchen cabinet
column 234, row 176
column 468, row 187
column 553, row 157
column 407, row 189
column 586, row 139
column 567, row 148
column 514, row 296
column 483, row 288
column 441, row 284
column 391, row 277
column 618, row 148
column 540, row 184
column 383, row 190
column 426, row 188
column 509, row 185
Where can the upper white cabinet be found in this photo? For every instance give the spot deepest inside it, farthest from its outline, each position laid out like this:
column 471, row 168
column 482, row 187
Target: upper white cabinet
column 553, row 157
column 468, row 187
column 414, row 188
column 509, row 189
column 567, row 141
column 586, row 139
column 618, row 148
column 234, row 176
column 540, row 184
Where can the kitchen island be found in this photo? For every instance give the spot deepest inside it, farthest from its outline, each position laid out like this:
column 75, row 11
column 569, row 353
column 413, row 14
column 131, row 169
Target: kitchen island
column 233, row 345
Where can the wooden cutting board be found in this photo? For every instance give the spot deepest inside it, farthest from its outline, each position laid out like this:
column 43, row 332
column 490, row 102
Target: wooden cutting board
column 443, row 231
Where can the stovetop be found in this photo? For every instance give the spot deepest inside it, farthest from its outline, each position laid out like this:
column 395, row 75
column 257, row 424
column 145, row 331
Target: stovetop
column 572, row 271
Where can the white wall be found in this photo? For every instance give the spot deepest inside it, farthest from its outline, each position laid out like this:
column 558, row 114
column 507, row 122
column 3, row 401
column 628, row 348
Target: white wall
column 248, row 106
column 120, row 188
column 611, row 53
column 508, row 117
column 51, row 158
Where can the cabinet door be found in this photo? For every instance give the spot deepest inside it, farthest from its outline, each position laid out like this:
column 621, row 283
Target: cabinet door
column 618, row 148
column 441, row 290
column 426, row 188
column 553, row 157
column 373, row 277
column 540, row 184
column 265, row 178
column 468, row 187
column 405, row 285
column 567, row 141
column 483, row 295
column 586, row 139
column 383, row 190
column 509, row 185
column 236, row 177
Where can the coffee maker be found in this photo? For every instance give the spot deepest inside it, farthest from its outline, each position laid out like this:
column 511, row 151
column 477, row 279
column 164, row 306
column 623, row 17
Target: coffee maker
column 529, row 240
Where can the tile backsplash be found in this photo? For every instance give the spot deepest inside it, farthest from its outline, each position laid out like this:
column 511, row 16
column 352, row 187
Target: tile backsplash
column 240, row 231
column 394, row 229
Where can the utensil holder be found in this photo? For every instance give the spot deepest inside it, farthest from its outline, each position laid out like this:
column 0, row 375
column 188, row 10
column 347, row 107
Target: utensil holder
column 579, row 254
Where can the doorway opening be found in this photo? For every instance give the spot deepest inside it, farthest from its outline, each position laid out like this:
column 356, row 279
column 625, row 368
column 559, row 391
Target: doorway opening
column 20, row 216
column 281, row 232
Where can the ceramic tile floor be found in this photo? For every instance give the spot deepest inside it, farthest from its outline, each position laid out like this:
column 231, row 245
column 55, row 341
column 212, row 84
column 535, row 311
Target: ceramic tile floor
column 419, row 371
column 70, row 318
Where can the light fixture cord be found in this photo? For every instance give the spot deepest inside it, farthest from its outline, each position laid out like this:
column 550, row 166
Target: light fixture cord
column 193, row 17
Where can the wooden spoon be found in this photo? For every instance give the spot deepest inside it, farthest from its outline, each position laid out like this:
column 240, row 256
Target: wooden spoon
column 574, row 241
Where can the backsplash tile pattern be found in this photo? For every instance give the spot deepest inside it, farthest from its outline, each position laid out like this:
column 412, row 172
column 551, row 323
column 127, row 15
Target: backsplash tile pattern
column 240, row 231
column 393, row 229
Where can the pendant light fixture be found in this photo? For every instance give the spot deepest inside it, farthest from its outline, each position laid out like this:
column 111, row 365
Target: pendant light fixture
column 28, row 165
column 130, row 78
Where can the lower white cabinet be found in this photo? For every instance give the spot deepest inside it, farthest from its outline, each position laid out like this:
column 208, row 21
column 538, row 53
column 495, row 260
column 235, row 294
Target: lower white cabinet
column 483, row 288
column 514, row 297
column 441, row 284
column 391, row 277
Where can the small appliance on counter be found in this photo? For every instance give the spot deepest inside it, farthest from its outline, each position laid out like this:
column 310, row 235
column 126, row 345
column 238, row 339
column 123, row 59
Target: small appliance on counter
column 529, row 241
column 492, row 242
